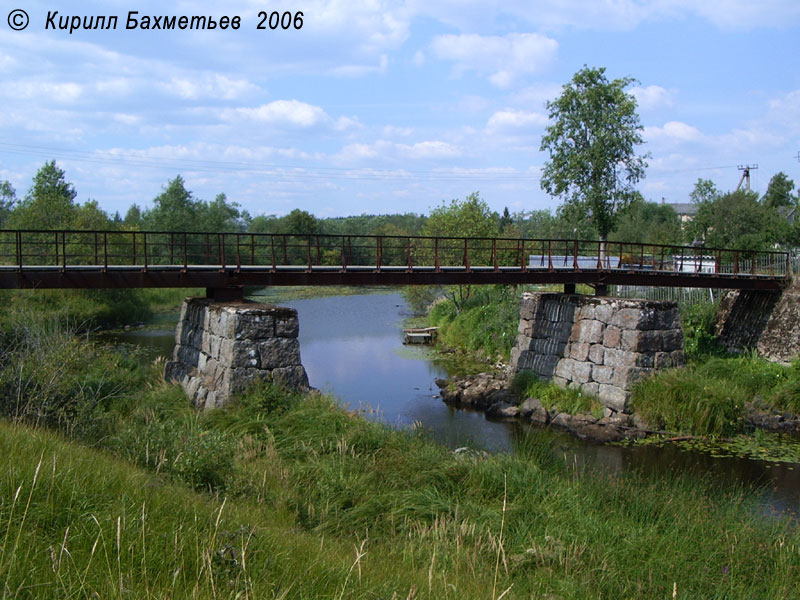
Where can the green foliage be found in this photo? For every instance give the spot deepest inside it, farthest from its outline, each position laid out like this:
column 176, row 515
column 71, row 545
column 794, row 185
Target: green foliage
column 49, row 376
column 739, row 220
column 486, row 324
column 697, row 321
column 704, row 192
column 686, row 401
column 471, row 218
column 8, row 198
column 50, row 203
column 556, row 399
column 300, row 222
column 324, row 504
column 592, row 138
column 779, row 191
column 421, row 297
column 709, row 397
column 175, row 209
column 648, row 223
column 84, row 310
column 169, row 438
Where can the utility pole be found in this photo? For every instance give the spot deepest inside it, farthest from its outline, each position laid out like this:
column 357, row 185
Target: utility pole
column 745, row 169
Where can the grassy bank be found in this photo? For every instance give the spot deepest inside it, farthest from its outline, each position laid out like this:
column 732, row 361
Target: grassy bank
column 708, row 397
column 290, row 496
column 88, row 309
column 320, row 503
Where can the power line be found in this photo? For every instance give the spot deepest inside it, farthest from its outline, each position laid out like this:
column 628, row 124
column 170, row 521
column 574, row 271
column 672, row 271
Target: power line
column 266, row 169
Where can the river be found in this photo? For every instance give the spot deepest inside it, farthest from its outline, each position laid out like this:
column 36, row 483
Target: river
column 352, row 347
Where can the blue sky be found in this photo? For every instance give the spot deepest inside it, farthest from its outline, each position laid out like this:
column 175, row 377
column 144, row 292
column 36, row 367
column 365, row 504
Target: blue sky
column 376, row 106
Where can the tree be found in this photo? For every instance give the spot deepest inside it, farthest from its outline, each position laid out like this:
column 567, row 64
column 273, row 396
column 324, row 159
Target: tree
column 649, row 223
column 463, row 218
column 779, row 191
column 174, row 209
column 592, row 139
column 8, row 198
column 739, row 220
column 49, row 204
column 704, row 192
column 221, row 216
column 301, row 222
column 470, row 218
column 133, row 218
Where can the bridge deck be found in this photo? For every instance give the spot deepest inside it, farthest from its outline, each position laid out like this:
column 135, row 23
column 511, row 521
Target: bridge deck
column 125, row 259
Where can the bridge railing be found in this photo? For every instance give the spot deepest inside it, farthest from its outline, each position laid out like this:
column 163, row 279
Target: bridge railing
column 63, row 249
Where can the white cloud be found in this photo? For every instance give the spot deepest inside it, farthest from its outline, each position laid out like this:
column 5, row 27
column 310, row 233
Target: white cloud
column 505, row 59
column 433, row 149
column 282, row 112
column 653, row 96
column 392, row 151
column 357, row 70
column 673, row 131
column 515, row 121
column 66, row 92
column 208, row 86
column 742, row 14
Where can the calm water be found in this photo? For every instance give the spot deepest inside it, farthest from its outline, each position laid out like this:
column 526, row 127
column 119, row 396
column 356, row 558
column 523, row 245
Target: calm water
column 352, row 347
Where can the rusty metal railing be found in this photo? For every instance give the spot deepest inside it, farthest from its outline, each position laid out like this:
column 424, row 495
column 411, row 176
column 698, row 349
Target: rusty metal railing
column 118, row 250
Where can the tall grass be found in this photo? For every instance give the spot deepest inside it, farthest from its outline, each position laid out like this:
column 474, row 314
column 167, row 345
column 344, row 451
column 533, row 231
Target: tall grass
column 710, row 397
column 486, row 325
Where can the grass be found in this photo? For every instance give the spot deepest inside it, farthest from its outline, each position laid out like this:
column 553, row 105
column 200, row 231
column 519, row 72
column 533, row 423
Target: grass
column 556, row 399
column 87, row 310
column 326, row 504
column 709, row 397
column 485, row 327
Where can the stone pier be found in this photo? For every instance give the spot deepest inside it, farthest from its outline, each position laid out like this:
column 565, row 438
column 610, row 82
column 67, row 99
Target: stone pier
column 598, row 345
column 223, row 347
column 765, row 321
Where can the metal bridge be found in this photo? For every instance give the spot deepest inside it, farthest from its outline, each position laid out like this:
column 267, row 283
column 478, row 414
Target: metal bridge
column 224, row 262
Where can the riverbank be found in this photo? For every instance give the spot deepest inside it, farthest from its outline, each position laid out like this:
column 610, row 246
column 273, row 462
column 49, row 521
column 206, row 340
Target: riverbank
column 715, row 397
column 292, row 496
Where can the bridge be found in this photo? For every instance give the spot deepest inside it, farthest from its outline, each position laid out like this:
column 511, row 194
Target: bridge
column 225, row 262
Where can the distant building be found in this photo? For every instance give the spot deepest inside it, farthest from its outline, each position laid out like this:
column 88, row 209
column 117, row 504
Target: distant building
column 789, row 213
column 686, row 210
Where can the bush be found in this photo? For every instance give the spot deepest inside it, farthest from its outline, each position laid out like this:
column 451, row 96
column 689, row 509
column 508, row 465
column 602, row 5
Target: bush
column 487, row 323
column 51, row 376
column 699, row 337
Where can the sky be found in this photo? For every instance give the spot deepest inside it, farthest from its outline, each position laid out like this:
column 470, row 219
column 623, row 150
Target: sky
column 378, row 106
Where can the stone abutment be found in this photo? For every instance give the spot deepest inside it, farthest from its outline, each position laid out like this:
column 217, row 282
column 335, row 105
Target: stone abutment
column 600, row 346
column 223, row 347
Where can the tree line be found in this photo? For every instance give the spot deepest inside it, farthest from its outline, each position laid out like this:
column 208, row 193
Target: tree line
column 723, row 219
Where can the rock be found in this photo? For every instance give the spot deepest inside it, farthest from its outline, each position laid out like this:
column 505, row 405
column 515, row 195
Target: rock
column 562, row 420
column 534, row 410
column 602, row 433
column 502, row 410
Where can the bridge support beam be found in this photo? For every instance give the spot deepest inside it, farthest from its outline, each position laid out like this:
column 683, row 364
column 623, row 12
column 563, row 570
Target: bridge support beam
column 227, row 294
column 222, row 348
column 599, row 346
